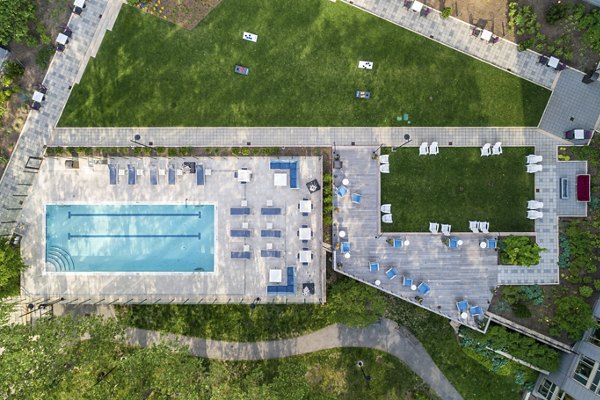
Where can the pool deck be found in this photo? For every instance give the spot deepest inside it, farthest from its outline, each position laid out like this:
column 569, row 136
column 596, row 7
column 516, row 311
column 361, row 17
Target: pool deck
column 233, row 281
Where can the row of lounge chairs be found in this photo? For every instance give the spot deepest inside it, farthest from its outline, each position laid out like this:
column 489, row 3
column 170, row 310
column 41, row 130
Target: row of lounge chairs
column 479, row 226
column 489, row 150
column 114, row 171
column 463, row 307
column 434, row 227
column 430, row 150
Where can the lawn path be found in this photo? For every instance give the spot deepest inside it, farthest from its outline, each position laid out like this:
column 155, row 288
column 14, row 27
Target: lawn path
column 385, row 336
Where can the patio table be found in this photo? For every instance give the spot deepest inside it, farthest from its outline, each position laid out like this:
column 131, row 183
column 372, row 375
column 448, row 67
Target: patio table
column 305, row 234
column 62, row 39
column 305, row 206
column 577, row 133
column 244, row 175
column 553, row 62
column 483, row 245
column 305, row 256
column 275, row 275
column 38, row 96
column 486, row 35
column 280, row 179
column 416, row 6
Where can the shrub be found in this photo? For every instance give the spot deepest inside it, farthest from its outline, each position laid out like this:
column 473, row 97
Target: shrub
column 11, row 266
column 556, row 12
column 590, row 25
column 519, row 250
column 44, row 56
column 586, row 291
column 522, row 20
column 521, row 310
column 13, row 70
column 172, row 152
column 597, row 285
column 446, row 12
column 572, row 316
column 533, row 293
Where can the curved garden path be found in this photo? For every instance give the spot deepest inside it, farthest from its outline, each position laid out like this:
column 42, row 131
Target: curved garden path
column 385, row 335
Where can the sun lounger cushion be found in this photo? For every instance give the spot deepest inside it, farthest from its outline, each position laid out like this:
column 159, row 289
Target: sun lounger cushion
column 199, row 174
column 130, row 174
column 240, row 233
column 270, row 253
column 241, row 254
column 270, row 211
column 270, row 233
column 239, row 211
column 112, row 173
column 172, row 174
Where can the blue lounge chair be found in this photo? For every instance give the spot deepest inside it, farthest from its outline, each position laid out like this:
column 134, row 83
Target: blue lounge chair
column 341, row 191
column 270, row 253
column 491, row 243
column 239, row 211
column 345, row 247
column 476, row 311
column 199, row 174
column 130, row 174
column 356, row 198
column 453, row 243
column 462, row 306
column 374, row 266
column 112, row 174
column 172, row 174
column 241, row 254
column 270, row 211
column 240, row 233
column 398, row 243
column 406, row 281
column 270, row 233
column 391, row 273
column 423, row 288
column 153, row 175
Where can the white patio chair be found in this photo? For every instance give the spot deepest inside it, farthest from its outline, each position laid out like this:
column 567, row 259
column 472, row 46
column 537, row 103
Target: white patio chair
column 484, row 226
column 533, row 168
column 535, row 205
column 386, row 218
column 485, row 150
column 497, row 149
column 446, row 229
column 384, row 159
column 386, row 208
column 533, row 214
column 384, row 168
column 423, row 149
column 474, row 226
column 534, row 159
column 434, row 149
column 434, row 227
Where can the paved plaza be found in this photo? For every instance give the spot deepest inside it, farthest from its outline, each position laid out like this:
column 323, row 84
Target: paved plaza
column 270, row 208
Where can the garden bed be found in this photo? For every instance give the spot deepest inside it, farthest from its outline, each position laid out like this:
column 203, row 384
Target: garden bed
column 185, row 13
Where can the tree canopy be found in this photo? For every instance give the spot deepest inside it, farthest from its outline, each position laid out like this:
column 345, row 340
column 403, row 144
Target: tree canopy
column 15, row 16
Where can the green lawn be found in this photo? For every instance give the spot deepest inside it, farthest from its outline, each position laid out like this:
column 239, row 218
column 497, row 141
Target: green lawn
column 456, row 186
column 303, row 72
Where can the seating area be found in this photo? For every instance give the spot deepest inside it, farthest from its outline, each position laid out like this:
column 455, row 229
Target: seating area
column 289, row 288
column 292, row 166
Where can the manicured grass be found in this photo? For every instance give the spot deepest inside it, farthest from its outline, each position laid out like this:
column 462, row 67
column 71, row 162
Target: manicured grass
column 456, row 186
column 303, row 72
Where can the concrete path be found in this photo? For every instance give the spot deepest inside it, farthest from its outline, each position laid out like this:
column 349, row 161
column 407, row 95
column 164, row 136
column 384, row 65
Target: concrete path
column 385, row 336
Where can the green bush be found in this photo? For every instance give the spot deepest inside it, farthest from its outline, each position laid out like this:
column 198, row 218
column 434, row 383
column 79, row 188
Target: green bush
column 586, row 291
column 446, row 12
column 556, row 12
column 519, row 250
column 11, row 266
column 172, row 152
column 520, row 310
column 13, row 70
column 590, row 25
column 522, row 20
column 573, row 316
column 44, row 56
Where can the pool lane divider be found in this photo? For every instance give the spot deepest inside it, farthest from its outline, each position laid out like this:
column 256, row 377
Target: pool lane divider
column 75, row 236
column 197, row 214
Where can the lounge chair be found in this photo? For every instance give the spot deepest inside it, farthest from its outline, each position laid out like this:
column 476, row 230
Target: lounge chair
column 270, row 253
column 373, row 266
column 534, row 205
column 485, row 150
column 130, row 174
column 341, row 191
column 386, row 208
column 153, row 175
column 484, row 226
column 407, row 3
column 423, row 288
column 270, row 211
column 384, row 159
column 424, row 149
column 239, row 211
column 200, row 174
column 391, row 273
column 398, row 243
column 476, row 31
column 476, row 311
column 434, row 149
column 543, row 60
column 534, row 159
column 386, row 218
column 425, row 11
column 406, row 281
column 240, row 233
column 112, row 174
column 356, row 198
column 345, row 247
column 241, row 254
column 533, row 168
column 172, row 174
column 454, row 243
column 474, row 226
column 463, row 306
column 491, row 243
column 384, row 168
column 495, row 40
column 446, row 229
column 497, row 149
column 533, row 214
column 434, row 227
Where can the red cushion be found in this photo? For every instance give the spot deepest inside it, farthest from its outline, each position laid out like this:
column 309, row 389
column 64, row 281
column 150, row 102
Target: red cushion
column 583, row 188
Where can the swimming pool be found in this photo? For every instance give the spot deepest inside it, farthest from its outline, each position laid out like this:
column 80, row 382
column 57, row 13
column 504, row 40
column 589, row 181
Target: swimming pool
column 128, row 238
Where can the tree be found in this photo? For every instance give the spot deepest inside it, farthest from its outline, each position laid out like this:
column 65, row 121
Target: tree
column 520, row 250
column 11, row 266
column 573, row 316
column 15, row 17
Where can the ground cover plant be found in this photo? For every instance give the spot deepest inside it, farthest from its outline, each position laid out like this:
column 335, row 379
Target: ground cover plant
column 149, row 72
column 11, row 266
column 456, row 186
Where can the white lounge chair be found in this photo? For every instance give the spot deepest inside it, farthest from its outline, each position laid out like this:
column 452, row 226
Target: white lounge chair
column 484, row 226
column 533, row 168
column 434, row 149
column 534, row 159
column 474, row 226
column 384, row 168
column 535, row 205
column 485, row 150
column 423, row 149
column 434, row 227
column 386, row 218
column 533, row 214
column 386, row 208
column 384, row 159
column 497, row 149
column 446, row 229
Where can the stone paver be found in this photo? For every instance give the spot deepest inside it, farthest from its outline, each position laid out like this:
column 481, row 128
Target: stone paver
column 385, row 336
column 456, row 34
column 18, row 177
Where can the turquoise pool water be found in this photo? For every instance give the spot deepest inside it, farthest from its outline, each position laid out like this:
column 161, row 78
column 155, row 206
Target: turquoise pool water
column 127, row 238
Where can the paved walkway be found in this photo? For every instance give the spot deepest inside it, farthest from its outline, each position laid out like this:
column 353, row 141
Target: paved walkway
column 64, row 68
column 456, row 34
column 385, row 336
